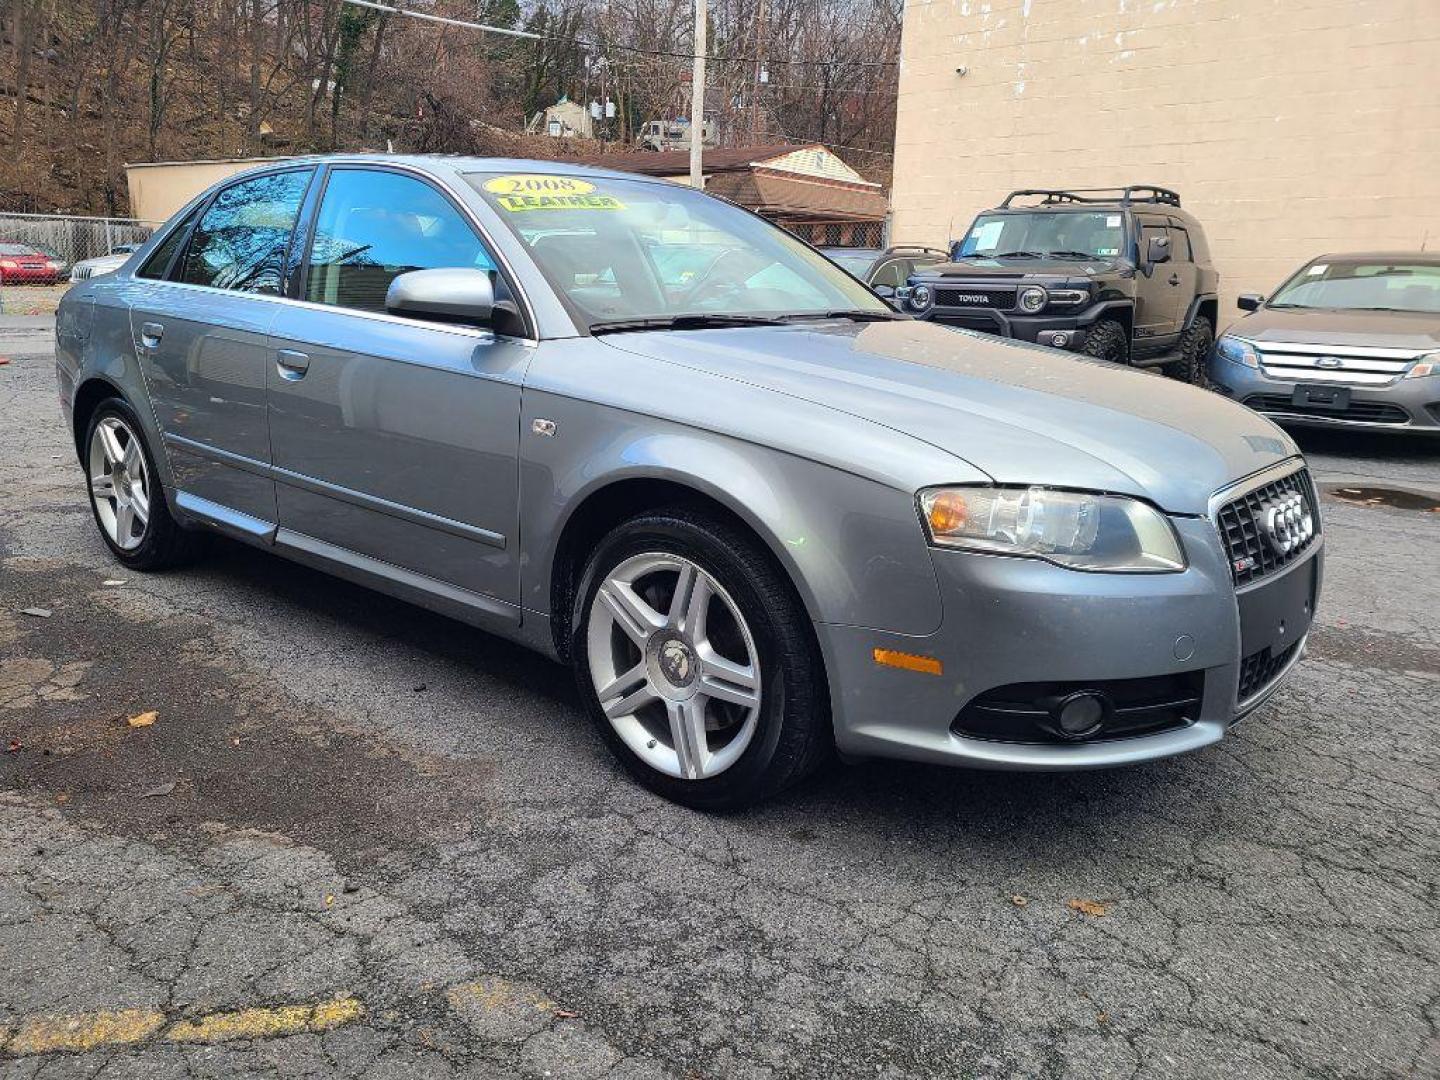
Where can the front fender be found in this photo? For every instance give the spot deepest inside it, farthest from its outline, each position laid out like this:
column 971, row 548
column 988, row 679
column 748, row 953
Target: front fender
column 853, row 546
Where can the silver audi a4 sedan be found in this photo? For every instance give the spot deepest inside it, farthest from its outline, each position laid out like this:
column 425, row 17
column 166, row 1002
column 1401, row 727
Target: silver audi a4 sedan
column 644, row 431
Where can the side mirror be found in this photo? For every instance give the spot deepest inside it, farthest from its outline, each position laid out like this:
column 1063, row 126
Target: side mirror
column 887, row 291
column 1249, row 301
column 1158, row 250
column 454, row 295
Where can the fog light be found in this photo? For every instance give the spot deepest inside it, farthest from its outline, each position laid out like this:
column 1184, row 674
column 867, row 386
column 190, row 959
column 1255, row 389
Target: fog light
column 1060, row 339
column 1081, row 714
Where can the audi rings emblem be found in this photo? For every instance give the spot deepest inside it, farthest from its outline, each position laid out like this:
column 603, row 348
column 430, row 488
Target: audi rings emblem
column 1288, row 523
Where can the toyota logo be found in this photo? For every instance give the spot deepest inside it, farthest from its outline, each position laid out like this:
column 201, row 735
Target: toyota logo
column 1288, row 523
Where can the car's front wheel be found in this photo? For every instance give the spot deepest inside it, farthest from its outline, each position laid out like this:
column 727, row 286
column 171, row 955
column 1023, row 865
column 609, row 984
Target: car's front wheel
column 696, row 661
column 125, row 493
column 1107, row 340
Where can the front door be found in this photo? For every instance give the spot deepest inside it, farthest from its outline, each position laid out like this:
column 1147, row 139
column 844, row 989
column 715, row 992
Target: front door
column 200, row 331
column 393, row 438
column 1154, row 294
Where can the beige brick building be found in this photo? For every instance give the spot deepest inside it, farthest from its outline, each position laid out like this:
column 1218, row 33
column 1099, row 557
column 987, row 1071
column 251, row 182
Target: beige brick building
column 1289, row 127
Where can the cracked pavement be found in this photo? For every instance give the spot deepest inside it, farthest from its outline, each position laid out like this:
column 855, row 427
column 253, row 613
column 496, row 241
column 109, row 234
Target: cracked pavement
column 394, row 847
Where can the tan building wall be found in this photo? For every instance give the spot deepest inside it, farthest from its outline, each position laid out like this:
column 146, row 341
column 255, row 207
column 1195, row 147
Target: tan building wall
column 1289, row 127
column 158, row 189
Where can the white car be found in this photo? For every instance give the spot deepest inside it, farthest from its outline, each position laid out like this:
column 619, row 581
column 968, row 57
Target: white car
column 103, row 264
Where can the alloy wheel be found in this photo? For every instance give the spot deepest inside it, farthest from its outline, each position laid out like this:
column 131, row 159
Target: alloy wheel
column 674, row 665
column 119, row 483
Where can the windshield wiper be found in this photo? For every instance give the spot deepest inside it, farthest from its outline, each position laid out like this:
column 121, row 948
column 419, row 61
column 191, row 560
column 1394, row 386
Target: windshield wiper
column 854, row 314
column 1070, row 255
column 1016, row 255
column 682, row 322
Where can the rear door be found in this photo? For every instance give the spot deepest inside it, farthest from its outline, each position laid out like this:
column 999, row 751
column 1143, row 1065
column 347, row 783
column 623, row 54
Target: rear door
column 199, row 329
column 1182, row 275
column 395, row 438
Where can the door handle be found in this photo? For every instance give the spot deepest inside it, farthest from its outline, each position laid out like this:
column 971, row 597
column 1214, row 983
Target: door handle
column 291, row 364
column 150, row 334
column 1174, row 279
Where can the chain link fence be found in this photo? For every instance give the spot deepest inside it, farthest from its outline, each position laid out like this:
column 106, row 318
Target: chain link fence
column 857, row 234
column 73, row 239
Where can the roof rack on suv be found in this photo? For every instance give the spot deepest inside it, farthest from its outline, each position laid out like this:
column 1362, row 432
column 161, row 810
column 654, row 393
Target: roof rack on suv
column 1136, row 193
column 894, row 248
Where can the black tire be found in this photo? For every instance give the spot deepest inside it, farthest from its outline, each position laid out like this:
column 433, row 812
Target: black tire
column 792, row 735
column 165, row 543
column 1195, row 344
column 1107, row 340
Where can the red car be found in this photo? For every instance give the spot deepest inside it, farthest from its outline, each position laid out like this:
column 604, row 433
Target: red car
column 21, row 264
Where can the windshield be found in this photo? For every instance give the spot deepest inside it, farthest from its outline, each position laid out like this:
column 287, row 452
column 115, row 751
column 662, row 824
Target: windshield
column 623, row 250
column 1041, row 233
column 1364, row 286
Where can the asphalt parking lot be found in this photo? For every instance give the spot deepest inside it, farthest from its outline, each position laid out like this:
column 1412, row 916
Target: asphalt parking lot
column 358, row 839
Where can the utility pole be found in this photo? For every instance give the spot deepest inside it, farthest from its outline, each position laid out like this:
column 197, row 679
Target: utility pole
column 697, row 99
column 759, row 67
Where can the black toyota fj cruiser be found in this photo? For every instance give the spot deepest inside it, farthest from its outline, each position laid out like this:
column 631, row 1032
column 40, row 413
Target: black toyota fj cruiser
column 1121, row 274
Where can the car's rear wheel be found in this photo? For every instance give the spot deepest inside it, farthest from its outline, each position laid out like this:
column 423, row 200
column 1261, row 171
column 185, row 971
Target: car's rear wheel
column 1195, row 345
column 125, row 493
column 1107, row 340
column 695, row 659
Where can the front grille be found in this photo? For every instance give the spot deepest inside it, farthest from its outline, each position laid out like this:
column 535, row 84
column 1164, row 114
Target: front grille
column 979, row 297
column 1242, row 527
column 1259, row 669
column 1020, row 713
column 81, row 273
column 1334, row 364
column 1368, row 412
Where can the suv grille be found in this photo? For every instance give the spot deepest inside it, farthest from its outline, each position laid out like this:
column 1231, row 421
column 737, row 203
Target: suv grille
column 1242, row 527
column 998, row 299
column 1258, row 670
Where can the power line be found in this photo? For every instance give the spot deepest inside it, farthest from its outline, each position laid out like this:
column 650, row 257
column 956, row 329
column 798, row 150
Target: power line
column 603, row 46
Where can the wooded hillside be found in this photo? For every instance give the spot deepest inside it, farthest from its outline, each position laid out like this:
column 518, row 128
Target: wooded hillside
column 88, row 85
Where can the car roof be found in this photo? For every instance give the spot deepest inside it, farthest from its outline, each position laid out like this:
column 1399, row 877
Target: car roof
column 459, row 163
column 1425, row 258
column 1108, row 206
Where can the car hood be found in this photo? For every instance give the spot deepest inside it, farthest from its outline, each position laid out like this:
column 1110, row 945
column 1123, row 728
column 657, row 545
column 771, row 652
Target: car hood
column 1316, row 326
column 1020, row 268
column 103, row 264
column 1018, row 413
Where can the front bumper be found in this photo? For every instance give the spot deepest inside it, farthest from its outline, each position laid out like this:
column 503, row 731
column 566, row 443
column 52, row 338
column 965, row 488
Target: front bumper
column 1404, row 405
column 1019, row 621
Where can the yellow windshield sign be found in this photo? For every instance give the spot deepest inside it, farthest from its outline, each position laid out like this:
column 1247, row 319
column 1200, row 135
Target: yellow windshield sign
column 516, row 203
column 533, row 191
column 536, row 184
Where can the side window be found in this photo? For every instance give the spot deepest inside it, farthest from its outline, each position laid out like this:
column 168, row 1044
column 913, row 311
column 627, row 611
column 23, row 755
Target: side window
column 160, row 259
column 893, row 273
column 375, row 225
column 1147, row 232
column 240, row 242
column 1180, row 245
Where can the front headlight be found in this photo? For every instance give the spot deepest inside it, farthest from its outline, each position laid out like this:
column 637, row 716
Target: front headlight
column 1078, row 529
column 1237, row 350
column 1429, row 364
column 920, row 297
column 1033, row 298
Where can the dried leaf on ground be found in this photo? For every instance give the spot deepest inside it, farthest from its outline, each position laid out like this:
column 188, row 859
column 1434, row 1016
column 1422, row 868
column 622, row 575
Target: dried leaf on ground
column 159, row 792
column 38, row 612
column 1093, row 908
column 113, row 581
column 13, row 747
column 144, row 719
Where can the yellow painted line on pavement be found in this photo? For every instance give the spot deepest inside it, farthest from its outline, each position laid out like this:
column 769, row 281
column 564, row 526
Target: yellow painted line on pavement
column 266, row 1023
column 84, row 1031
column 88, row 1031
column 496, row 993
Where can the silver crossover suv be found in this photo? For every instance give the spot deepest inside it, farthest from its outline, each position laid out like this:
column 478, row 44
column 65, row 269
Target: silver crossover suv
column 655, row 437
column 1348, row 341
